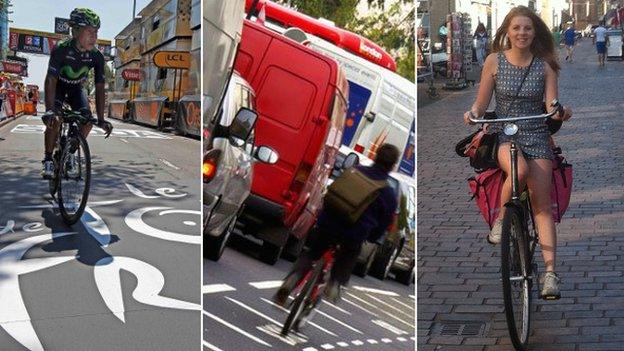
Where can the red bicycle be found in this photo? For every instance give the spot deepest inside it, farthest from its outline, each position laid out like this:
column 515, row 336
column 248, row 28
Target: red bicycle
column 308, row 292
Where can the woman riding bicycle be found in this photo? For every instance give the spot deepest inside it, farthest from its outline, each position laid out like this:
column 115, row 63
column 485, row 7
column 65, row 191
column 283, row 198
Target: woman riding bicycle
column 523, row 46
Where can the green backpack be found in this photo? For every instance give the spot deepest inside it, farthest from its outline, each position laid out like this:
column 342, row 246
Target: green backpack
column 351, row 194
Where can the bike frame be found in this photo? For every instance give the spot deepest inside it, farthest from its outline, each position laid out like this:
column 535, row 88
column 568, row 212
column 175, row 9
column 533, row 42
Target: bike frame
column 328, row 261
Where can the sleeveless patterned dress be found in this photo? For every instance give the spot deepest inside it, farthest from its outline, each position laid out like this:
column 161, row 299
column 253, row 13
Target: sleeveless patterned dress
column 533, row 136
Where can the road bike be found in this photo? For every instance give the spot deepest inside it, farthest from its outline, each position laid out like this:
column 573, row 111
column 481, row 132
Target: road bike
column 519, row 239
column 308, row 292
column 71, row 180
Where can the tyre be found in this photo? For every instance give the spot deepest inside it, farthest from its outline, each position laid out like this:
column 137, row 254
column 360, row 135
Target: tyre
column 407, row 277
column 361, row 269
column 74, row 179
column 383, row 260
column 215, row 245
column 270, row 253
column 515, row 272
column 300, row 301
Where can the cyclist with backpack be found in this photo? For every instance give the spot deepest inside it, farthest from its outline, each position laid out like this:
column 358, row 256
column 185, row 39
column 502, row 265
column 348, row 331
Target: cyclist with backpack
column 522, row 73
column 366, row 214
column 69, row 66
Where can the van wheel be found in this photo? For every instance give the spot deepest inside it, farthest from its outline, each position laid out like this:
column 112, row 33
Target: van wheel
column 406, row 277
column 383, row 261
column 270, row 253
column 361, row 270
column 215, row 245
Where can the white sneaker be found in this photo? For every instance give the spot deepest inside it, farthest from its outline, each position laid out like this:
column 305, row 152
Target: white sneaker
column 48, row 169
column 550, row 286
column 495, row 234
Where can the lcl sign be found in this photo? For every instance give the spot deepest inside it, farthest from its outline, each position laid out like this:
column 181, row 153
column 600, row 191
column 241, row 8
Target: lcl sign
column 173, row 59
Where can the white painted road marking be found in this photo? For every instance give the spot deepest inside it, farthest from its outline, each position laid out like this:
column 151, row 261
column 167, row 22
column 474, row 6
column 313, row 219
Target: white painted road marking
column 211, row 346
column 310, row 349
column 268, row 284
column 136, row 223
column 327, row 346
column 337, row 308
column 411, row 307
column 389, row 305
column 386, row 313
column 309, row 322
column 386, row 340
column 357, row 342
column 339, row 322
column 90, row 204
column 126, row 133
column 372, row 341
column 169, row 164
column 402, row 339
column 137, row 192
column 375, row 291
column 389, row 327
column 360, row 307
column 216, row 288
column 342, row 344
column 254, row 311
column 237, row 329
column 292, row 339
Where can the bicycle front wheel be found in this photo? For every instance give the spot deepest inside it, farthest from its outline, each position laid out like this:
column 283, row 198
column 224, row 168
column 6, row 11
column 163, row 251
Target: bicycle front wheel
column 515, row 273
column 300, row 301
column 74, row 178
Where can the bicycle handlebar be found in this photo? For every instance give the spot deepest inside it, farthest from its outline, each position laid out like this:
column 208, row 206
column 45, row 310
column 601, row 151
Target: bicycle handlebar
column 555, row 103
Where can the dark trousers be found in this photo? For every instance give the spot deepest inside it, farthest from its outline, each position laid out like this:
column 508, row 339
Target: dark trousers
column 344, row 261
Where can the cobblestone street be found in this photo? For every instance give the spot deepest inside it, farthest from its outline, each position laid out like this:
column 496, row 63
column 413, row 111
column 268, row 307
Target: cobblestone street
column 458, row 277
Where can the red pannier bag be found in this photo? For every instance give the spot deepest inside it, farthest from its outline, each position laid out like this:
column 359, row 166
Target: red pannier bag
column 485, row 188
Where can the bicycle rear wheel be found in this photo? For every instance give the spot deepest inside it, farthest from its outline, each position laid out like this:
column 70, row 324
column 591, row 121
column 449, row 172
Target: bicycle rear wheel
column 515, row 269
column 74, row 178
column 299, row 304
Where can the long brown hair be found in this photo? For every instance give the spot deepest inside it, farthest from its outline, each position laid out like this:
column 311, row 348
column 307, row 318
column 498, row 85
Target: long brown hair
column 543, row 45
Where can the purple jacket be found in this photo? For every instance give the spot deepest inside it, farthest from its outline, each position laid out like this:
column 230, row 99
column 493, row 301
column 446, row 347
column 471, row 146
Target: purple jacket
column 375, row 219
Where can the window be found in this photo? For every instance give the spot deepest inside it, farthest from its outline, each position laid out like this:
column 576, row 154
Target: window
column 156, row 23
column 162, row 73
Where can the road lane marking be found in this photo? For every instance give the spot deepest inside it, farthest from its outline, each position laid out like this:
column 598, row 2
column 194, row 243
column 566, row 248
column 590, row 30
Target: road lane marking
column 169, row 164
column 402, row 339
column 389, row 327
column 360, row 307
column 403, row 304
column 357, row 342
column 386, row 340
column 375, row 291
column 211, row 346
column 137, row 192
column 342, row 344
column 124, row 140
column 216, row 288
column 255, row 312
column 327, row 347
column 384, row 312
column 309, row 349
column 336, row 307
column 339, row 322
column 413, row 297
column 292, row 339
column 268, row 284
column 237, row 329
column 413, row 338
column 309, row 322
column 135, row 221
column 389, row 305
column 372, row 341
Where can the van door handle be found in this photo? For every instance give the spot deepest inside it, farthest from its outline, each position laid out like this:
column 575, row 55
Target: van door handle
column 320, row 119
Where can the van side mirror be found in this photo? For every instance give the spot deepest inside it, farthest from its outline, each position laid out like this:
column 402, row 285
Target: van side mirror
column 266, row 155
column 243, row 124
column 351, row 160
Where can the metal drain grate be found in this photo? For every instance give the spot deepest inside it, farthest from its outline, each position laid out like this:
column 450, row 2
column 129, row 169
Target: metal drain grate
column 462, row 328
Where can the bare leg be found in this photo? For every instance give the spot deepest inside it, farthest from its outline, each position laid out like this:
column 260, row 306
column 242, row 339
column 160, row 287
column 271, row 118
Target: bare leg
column 539, row 181
column 504, row 162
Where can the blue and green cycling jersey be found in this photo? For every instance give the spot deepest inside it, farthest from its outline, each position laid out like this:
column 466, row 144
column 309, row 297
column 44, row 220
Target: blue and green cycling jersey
column 72, row 66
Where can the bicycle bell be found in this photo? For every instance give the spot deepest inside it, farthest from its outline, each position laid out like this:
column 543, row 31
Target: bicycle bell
column 510, row 129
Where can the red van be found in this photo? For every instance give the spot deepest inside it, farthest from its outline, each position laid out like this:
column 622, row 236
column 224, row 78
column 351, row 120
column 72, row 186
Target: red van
column 301, row 99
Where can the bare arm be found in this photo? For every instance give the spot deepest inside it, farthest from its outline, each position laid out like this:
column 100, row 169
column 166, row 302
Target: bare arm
column 486, row 87
column 551, row 92
column 100, row 96
column 50, row 91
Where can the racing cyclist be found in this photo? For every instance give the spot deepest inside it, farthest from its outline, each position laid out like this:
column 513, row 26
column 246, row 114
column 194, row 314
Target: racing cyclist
column 69, row 66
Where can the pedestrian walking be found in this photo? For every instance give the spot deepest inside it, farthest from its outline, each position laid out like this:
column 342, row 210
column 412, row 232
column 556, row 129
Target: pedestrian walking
column 522, row 72
column 600, row 39
column 569, row 37
column 481, row 41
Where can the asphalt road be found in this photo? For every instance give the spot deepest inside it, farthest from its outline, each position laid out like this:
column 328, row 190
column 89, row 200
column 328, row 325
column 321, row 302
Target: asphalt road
column 127, row 275
column 238, row 313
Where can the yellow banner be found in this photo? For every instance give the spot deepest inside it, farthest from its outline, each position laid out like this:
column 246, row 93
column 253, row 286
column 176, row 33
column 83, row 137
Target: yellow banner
column 173, row 59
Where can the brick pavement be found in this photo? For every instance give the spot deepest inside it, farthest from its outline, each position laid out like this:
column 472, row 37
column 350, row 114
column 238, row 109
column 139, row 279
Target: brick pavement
column 458, row 271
